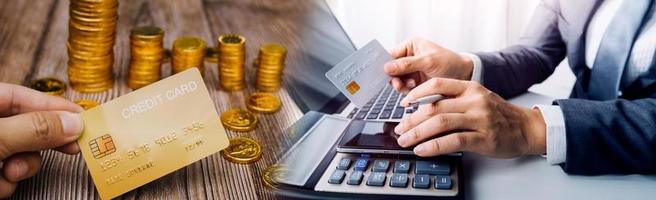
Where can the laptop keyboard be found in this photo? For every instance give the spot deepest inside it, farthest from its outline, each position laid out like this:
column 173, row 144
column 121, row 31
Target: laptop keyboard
column 385, row 106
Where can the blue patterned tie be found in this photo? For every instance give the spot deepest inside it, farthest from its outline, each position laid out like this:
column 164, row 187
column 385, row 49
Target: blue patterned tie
column 615, row 49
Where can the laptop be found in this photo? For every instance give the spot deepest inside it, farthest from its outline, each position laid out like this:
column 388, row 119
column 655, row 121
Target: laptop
column 318, row 169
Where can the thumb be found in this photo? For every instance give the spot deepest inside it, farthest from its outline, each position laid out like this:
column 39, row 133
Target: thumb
column 406, row 65
column 37, row 131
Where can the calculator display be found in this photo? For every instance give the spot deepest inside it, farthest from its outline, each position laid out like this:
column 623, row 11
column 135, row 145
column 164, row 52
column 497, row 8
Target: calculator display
column 371, row 135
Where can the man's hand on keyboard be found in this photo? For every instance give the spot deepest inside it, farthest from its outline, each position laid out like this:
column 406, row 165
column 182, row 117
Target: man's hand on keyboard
column 474, row 119
column 418, row 60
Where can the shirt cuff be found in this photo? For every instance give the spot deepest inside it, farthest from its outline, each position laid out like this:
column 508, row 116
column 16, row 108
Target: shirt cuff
column 477, row 72
column 556, row 133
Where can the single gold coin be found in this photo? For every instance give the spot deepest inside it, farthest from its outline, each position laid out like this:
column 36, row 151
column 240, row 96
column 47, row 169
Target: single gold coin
column 51, row 86
column 242, row 150
column 273, row 175
column 87, row 103
column 238, row 120
column 263, row 102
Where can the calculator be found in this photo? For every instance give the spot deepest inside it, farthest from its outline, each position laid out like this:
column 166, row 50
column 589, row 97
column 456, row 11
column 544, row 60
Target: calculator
column 318, row 170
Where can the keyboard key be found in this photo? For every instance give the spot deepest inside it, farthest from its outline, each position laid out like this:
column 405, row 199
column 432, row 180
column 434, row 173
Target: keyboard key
column 372, row 116
column 442, row 182
column 401, row 166
column 399, row 180
column 375, row 111
column 378, row 107
column 432, row 168
column 352, row 113
column 376, row 179
column 361, row 115
column 389, row 107
column 337, row 177
column 385, row 114
column 361, row 164
column 344, row 164
column 421, row 181
column 380, row 166
column 398, row 113
column 355, row 178
column 408, row 111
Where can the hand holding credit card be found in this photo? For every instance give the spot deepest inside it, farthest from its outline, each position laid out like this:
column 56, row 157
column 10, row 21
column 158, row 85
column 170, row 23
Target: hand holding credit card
column 361, row 75
column 151, row 132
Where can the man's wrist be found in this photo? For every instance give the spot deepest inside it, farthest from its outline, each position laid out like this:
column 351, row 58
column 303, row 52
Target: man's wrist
column 471, row 67
column 534, row 129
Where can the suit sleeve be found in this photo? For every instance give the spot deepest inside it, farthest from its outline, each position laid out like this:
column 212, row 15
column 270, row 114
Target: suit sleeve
column 610, row 137
column 511, row 71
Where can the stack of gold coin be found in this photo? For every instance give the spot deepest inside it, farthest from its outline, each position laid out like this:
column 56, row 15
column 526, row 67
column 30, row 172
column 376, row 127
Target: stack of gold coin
column 242, row 150
column 232, row 57
column 147, row 52
column 188, row 52
column 270, row 65
column 91, row 37
column 238, row 120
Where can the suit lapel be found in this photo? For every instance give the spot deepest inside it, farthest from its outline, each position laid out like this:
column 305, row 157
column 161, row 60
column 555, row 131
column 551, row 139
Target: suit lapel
column 579, row 24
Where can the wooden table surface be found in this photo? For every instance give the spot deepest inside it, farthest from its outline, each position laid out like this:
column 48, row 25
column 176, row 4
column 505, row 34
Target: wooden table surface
column 33, row 36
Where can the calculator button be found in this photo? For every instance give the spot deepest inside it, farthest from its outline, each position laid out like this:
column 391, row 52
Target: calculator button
column 355, row 178
column 361, row 164
column 337, row 177
column 402, row 166
column 344, row 164
column 380, row 166
column 376, row 179
column 399, row 180
column 432, row 168
column 442, row 182
column 421, row 181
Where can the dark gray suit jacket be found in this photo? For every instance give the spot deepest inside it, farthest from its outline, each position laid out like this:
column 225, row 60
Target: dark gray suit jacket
column 617, row 136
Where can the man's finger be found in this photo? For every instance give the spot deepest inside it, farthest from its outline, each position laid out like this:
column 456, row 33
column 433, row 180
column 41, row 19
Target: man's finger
column 406, row 65
column 21, row 166
column 16, row 99
column 443, row 86
column 70, row 148
column 6, row 188
column 450, row 143
column 38, row 131
column 429, row 110
column 405, row 49
column 433, row 127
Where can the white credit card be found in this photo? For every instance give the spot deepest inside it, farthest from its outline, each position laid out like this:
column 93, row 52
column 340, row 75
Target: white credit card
column 361, row 75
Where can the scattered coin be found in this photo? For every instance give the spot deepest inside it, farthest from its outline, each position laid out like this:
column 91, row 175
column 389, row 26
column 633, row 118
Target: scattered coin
column 273, row 175
column 242, row 150
column 238, row 120
column 263, row 103
column 87, row 103
column 51, row 86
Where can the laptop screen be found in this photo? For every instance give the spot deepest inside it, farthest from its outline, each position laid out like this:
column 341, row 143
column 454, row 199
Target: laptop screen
column 323, row 44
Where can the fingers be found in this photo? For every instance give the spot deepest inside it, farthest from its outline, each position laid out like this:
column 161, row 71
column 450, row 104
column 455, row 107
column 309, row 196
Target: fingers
column 430, row 110
column 37, row 131
column 21, row 166
column 433, row 127
column 443, row 86
column 70, row 148
column 16, row 99
column 450, row 143
column 6, row 188
column 405, row 49
column 406, row 65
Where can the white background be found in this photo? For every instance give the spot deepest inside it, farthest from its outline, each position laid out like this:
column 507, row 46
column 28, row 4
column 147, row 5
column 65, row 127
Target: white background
column 460, row 25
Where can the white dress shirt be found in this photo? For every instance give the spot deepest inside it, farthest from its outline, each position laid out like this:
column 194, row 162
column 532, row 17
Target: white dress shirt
column 639, row 63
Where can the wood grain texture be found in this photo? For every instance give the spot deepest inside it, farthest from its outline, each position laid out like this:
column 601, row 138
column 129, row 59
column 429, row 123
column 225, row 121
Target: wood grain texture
column 33, row 36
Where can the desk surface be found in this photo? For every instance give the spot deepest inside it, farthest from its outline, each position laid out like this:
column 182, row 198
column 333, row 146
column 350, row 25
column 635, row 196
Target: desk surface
column 533, row 178
column 33, row 36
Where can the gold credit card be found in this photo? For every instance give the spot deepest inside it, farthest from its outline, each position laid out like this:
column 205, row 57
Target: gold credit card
column 151, row 132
